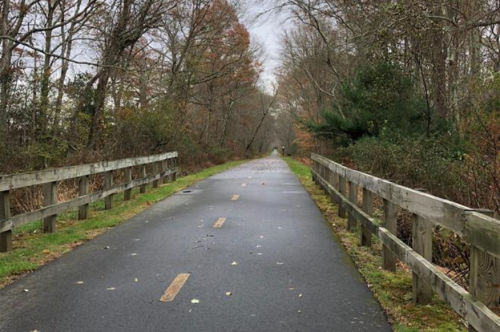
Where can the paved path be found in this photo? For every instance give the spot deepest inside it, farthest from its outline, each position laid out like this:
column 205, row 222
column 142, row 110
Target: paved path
column 290, row 273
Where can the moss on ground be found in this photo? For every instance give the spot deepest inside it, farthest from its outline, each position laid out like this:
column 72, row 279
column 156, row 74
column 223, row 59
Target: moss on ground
column 32, row 248
column 392, row 290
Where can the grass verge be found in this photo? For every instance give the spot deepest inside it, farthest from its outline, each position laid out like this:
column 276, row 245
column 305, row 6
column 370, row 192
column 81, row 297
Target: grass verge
column 393, row 290
column 32, row 248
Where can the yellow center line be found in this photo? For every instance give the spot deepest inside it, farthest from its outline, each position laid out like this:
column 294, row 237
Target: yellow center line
column 219, row 222
column 174, row 287
column 235, row 197
column 243, row 184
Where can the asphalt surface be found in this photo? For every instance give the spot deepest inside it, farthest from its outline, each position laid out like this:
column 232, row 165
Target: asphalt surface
column 275, row 254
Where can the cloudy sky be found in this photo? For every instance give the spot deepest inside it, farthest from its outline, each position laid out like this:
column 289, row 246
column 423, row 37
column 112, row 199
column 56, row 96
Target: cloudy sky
column 267, row 31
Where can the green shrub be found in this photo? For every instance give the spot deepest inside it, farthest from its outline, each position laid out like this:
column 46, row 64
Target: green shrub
column 380, row 98
column 415, row 161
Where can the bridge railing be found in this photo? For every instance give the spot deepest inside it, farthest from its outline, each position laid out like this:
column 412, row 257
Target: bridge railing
column 164, row 167
column 480, row 230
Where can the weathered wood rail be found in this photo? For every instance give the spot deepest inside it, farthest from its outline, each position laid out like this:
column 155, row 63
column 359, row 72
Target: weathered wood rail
column 164, row 168
column 480, row 230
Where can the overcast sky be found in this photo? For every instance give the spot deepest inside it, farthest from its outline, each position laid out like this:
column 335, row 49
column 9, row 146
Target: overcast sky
column 267, row 31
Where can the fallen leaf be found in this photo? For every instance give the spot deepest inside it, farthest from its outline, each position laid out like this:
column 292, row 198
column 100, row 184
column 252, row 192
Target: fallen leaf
column 46, row 252
column 195, row 301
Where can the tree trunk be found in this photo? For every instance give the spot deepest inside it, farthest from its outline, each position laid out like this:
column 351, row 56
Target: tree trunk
column 5, row 72
column 256, row 131
column 439, row 55
column 99, row 99
column 477, row 6
column 44, row 85
column 67, row 45
column 227, row 118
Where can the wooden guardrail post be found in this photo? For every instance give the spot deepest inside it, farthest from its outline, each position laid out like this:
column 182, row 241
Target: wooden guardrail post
column 484, row 275
column 328, row 176
column 353, row 197
column 170, row 177
column 422, row 244
column 316, row 170
column 334, row 180
column 108, row 184
column 174, row 165
column 156, row 170
column 313, row 165
column 391, row 224
column 49, row 198
column 83, row 189
column 322, row 172
column 5, row 237
column 342, row 190
column 143, row 174
column 160, row 169
column 127, row 195
column 164, row 168
column 366, row 235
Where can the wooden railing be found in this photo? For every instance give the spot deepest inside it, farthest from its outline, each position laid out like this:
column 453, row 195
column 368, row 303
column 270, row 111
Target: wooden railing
column 164, row 166
column 478, row 229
